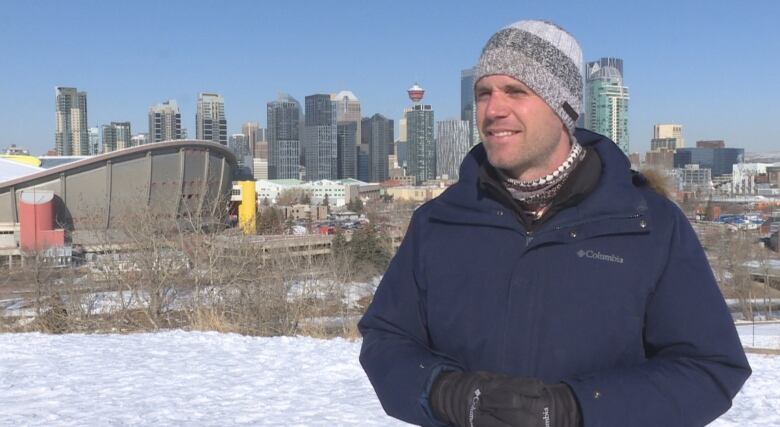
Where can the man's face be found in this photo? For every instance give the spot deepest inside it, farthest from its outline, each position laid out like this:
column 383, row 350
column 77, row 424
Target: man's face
column 522, row 135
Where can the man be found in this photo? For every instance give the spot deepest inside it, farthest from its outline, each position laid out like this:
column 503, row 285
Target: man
column 550, row 286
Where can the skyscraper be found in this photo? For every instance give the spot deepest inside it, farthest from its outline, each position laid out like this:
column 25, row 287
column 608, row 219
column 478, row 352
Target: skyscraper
column 164, row 122
column 606, row 105
column 349, row 130
column 347, row 109
column 419, row 135
column 346, row 149
column 320, row 137
column 378, row 136
column 239, row 145
column 254, row 134
column 284, row 146
column 116, row 136
column 467, row 109
column 452, row 145
column 210, row 123
column 71, row 137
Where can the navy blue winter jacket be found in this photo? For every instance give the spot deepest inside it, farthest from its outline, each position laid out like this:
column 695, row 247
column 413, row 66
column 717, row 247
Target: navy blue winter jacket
column 613, row 296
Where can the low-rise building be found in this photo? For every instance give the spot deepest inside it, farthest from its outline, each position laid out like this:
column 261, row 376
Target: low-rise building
column 336, row 192
column 305, row 212
column 414, row 193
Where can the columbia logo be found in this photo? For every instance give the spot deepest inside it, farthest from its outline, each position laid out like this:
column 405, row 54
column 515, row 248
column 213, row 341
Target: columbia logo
column 599, row 256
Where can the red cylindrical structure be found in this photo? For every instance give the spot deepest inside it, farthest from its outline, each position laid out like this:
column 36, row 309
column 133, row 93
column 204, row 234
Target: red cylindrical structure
column 36, row 221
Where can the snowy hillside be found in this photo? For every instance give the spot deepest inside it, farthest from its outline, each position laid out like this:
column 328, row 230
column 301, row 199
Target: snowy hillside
column 211, row 379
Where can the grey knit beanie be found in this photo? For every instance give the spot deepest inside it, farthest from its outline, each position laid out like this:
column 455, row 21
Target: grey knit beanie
column 543, row 56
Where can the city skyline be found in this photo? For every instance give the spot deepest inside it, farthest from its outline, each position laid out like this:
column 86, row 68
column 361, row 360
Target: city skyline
column 704, row 66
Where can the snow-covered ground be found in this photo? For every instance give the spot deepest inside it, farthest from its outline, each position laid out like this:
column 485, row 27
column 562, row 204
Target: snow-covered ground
column 209, row 379
column 760, row 335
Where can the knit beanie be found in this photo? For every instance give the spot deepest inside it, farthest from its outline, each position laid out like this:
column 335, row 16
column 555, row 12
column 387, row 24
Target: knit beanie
column 543, row 56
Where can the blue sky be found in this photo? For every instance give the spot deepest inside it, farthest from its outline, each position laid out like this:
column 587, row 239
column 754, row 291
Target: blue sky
column 713, row 66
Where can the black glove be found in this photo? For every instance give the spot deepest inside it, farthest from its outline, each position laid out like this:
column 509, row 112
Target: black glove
column 484, row 399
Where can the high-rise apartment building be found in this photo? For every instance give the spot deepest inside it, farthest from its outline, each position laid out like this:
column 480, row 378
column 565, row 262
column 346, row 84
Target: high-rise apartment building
column 320, row 138
column 164, row 122
column 468, row 110
column 71, row 137
column 116, row 136
column 606, row 103
column 378, row 133
column 284, row 144
column 452, row 145
column 210, row 123
column 667, row 137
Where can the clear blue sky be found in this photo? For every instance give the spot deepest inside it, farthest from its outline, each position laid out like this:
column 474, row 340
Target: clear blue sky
column 713, row 66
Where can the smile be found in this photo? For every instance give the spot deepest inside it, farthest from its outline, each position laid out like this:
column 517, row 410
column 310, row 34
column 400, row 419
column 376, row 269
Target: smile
column 502, row 133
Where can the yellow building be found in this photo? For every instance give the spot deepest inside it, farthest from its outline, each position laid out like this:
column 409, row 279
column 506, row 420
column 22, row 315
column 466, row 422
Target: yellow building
column 247, row 210
column 416, row 194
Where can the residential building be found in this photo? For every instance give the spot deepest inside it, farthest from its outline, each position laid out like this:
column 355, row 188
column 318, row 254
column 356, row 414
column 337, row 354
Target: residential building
column 378, row 136
column 116, row 136
column 71, row 137
column 320, row 138
column 164, row 122
column 284, row 143
column 607, row 99
column 210, row 123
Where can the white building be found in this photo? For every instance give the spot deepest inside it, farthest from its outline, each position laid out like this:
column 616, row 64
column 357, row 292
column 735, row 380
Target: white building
column 743, row 177
column 338, row 192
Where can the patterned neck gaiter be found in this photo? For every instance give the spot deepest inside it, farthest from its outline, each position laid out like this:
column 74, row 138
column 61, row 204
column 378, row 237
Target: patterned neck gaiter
column 534, row 196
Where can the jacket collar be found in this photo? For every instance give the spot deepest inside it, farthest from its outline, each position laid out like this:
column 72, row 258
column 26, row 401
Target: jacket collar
column 614, row 197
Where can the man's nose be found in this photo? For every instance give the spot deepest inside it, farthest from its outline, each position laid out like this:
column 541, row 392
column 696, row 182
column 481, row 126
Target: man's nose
column 496, row 106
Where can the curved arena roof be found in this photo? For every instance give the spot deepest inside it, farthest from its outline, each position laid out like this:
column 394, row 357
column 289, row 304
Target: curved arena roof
column 98, row 192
